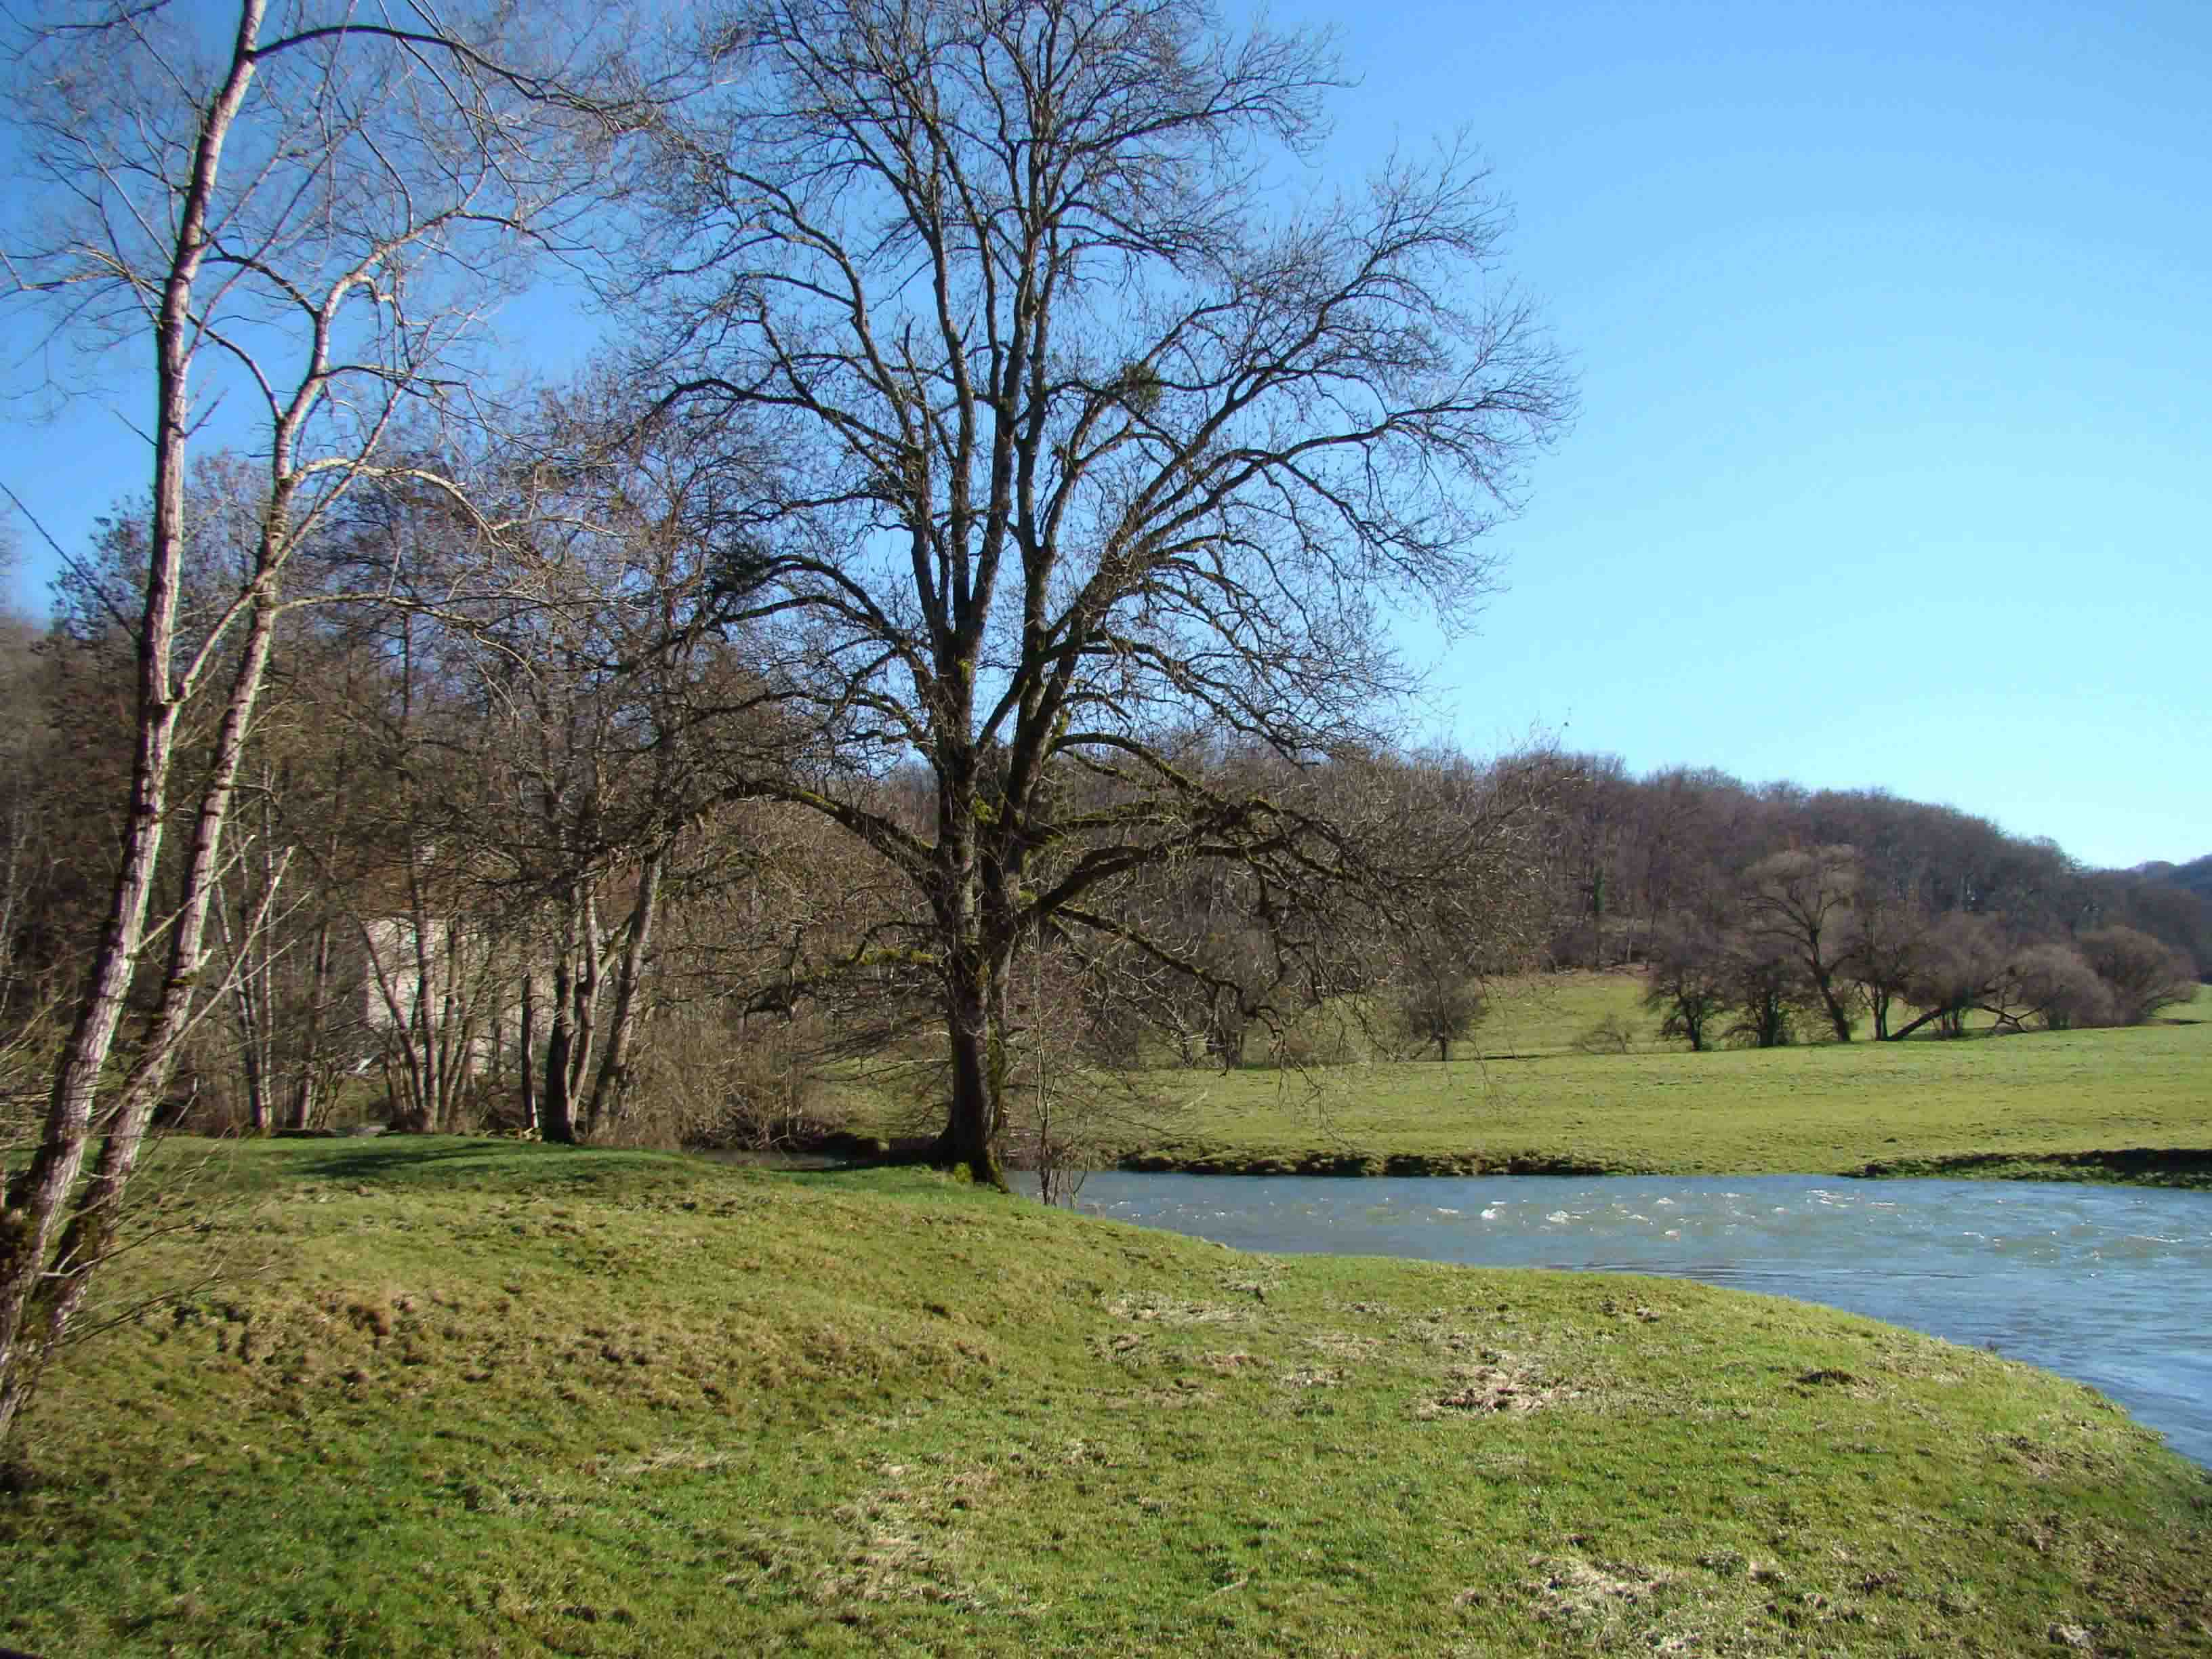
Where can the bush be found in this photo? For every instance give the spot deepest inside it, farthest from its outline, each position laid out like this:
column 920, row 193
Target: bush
column 1611, row 1036
column 2140, row 975
column 706, row 1081
column 1438, row 1008
column 2053, row 985
column 1334, row 1034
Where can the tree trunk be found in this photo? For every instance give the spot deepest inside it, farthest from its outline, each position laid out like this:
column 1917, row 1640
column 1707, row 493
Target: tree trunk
column 421, row 1017
column 1839, row 1017
column 527, row 1039
column 584, row 992
column 305, row 1083
column 31, row 1211
column 165, row 1032
column 555, row 1121
column 970, row 1141
column 36, row 1200
column 1946, row 1015
column 456, row 1034
column 604, row 1104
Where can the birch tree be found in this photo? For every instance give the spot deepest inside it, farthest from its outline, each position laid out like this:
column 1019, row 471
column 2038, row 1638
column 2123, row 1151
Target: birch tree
column 310, row 207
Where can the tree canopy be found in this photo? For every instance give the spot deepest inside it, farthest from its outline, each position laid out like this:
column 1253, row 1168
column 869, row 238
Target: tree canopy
column 1056, row 428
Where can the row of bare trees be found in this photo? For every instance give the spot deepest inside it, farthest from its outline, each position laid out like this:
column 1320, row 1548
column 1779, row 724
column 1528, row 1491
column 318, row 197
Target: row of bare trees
column 491, row 856
column 1632, row 854
column 1806, row 941
column 306, row 211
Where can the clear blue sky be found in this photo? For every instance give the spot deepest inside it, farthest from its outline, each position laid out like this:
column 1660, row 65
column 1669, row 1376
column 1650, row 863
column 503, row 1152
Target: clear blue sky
column 1894, row 329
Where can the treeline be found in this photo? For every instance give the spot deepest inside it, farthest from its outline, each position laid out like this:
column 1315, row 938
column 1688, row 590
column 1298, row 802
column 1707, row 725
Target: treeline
column 1772, row 913
column 518, row 840
column 502, row 854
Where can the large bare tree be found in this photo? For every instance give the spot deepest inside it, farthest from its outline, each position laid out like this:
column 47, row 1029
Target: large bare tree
column 1068, row 424
column 321, row 199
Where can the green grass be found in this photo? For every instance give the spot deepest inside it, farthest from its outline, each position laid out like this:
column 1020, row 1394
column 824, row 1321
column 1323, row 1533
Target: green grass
column 491, row 1399
column 2123, row 1104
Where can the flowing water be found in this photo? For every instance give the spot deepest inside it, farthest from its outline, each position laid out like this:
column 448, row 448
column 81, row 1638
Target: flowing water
column 2111, row 1285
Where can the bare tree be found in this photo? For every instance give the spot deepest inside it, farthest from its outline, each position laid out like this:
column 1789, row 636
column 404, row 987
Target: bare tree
column 2052, row 985
column 1077, row 435
column 1960, row 968
column 2143, row 974
column 1883, row 953
column 1688, row 982
column 1438, row 1007
column 1767, row 990
column 317, row 200
column 1801, row 903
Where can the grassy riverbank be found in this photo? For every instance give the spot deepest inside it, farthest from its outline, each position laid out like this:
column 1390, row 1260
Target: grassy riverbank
column 478, row 1398
column 2132, row 1104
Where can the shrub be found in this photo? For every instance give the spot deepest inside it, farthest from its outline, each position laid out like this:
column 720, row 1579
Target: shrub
column 1438, row 1008
column 2053, row 985
column 706, row 1082
column 2140, row 975
column 1611, row 1036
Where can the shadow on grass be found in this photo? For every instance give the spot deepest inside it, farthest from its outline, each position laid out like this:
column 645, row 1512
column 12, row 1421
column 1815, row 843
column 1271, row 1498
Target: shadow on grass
column 438, row 1160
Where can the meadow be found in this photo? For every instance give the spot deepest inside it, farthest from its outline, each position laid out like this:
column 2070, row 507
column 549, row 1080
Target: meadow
column 2130, row 1104
column 476, row 1397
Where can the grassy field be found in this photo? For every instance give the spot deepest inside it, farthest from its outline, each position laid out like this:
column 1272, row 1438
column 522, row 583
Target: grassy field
column 2125, row 1104
column 480, row 1398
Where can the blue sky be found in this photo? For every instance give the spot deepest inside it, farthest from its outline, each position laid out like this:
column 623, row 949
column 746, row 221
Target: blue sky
column 1894, row 331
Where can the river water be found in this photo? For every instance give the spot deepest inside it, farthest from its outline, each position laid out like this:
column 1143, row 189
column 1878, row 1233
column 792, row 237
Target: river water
column 2111, row 1285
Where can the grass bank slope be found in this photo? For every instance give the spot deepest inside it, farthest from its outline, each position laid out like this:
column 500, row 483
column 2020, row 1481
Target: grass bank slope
column 2123, row 1104
column 489, row 1399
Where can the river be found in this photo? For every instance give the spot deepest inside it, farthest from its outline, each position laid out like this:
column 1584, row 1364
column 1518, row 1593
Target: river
column 2111, row 1285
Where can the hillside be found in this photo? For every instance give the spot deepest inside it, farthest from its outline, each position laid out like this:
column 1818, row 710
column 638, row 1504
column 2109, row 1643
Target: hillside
column 2194, row 876
column 468, row 1397
column 2116, row 1103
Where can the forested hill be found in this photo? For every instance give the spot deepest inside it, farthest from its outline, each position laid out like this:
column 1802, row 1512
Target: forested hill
column 2194, row 876
column 1625, row 853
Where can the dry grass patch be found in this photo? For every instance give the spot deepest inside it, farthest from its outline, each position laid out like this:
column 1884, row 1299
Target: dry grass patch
column 907, row 1540
column 1498, row 1383
column 1150, row 1311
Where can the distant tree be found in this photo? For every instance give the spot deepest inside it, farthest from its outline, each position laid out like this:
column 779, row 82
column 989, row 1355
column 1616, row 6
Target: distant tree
column 2169, row 912
column 1959, row 968
column 1595, row 805
column 1800, row 903
column 1677, row 839
column 1766, row 990
column 1438, row 1007
column 1689, row 982
column 2141, row 975
column 2054, row 986
column 1883, row 953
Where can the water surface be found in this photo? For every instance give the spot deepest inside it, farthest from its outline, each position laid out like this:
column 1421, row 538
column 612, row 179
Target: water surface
column 2110, row 1285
